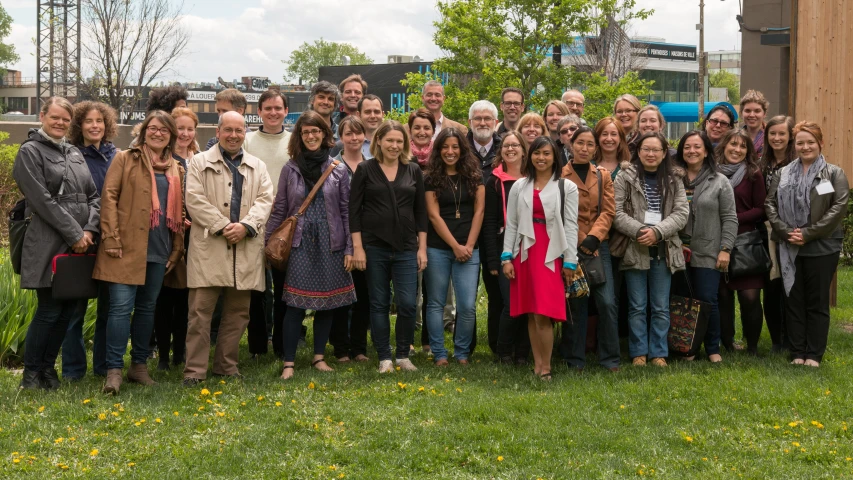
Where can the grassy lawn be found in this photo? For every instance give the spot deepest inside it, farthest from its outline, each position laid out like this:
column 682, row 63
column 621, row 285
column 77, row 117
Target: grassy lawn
column 750, row 418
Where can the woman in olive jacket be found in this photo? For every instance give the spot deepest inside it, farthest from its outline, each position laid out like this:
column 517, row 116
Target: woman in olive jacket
column 806, row 206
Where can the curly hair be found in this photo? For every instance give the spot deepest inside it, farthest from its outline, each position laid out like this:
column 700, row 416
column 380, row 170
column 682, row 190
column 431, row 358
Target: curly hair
column 75, row 132
column 467, row 166
column 165, row 98
column 751, row 160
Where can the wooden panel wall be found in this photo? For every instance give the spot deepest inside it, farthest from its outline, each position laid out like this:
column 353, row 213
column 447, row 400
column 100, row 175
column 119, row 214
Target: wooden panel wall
column 823, row 83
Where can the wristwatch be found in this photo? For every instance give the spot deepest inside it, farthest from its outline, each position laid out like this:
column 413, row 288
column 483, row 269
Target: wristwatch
column 726, row 249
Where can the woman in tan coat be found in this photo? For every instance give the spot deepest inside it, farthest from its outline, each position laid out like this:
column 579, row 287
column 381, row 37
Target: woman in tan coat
column 142, row 229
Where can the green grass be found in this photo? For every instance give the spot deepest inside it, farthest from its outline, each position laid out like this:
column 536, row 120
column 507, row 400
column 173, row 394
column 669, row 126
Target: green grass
column 749, row 418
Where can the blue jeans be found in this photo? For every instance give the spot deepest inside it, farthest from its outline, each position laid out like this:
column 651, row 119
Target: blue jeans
column 140, row 300
column 385, row 266
column 650, row 287
column 47, row 329
column 573, row 342
column 441, row 268
column 74, row 348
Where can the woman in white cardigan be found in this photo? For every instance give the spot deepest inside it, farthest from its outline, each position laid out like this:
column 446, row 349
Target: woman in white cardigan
column 540, row 248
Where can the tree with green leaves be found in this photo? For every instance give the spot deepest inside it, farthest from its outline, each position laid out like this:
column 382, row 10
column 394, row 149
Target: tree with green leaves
column 305, row 62
column 7, row 51
column 599, row 93
column 727, row 80
column 492, row 44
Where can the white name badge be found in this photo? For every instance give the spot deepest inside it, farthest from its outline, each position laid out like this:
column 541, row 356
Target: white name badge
column 652, row 218
column 824, row 187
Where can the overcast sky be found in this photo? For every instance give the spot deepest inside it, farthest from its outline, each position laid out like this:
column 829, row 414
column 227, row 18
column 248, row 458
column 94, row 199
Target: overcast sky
column 233, row 39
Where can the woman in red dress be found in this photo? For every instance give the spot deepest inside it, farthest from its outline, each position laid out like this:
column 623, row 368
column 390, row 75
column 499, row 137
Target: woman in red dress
column 540, row 248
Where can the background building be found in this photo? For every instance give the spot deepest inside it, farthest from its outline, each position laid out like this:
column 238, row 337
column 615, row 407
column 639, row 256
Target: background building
column 728, row 60
column 18, row 93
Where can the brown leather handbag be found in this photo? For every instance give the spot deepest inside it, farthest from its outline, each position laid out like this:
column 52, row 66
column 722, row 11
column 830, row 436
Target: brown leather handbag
column 278, row 247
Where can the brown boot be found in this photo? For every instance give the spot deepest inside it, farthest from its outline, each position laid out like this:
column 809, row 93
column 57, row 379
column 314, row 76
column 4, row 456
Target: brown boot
column 138, row 372
column 113, row 382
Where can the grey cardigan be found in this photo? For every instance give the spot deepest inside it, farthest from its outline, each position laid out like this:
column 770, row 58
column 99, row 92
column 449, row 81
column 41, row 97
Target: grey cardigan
column 58, row 221
column 714, row 220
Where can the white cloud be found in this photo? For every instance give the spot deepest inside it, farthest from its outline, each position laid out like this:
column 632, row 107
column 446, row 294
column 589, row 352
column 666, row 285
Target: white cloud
column 676, row 22
column 22, row 37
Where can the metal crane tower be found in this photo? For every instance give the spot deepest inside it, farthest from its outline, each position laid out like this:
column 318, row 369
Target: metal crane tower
column 58, row 49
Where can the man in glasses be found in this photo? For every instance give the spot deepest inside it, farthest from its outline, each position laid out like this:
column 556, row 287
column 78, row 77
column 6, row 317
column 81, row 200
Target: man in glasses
column 229, row 195
column 512, row 107
column 574, row 99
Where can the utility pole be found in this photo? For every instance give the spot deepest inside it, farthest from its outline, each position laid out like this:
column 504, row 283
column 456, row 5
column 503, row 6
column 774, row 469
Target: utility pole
column 701, row 28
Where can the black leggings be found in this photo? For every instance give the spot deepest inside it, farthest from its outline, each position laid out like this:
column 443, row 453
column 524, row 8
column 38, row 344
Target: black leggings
column 170, row 323
column 751, row 317
column 293, row 329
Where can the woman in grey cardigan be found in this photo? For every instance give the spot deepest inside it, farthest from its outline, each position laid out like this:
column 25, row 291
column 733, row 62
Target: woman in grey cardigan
column 711, row 229
column 651, row 208
column 65, row 208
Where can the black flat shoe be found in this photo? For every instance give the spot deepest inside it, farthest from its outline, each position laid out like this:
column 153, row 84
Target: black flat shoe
column 31, row 380
column 50, row 379
column 163, row 364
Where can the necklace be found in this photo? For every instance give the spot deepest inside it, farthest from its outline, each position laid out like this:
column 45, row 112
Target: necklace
column 456, row 201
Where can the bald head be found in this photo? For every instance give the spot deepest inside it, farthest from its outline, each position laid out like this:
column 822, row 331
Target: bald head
column 231, row 132
column 575, row 101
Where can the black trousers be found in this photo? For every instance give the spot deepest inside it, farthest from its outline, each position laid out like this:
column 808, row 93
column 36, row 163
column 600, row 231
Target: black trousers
column 170, row 323
column 279, row 309
column 774, row 311
column 807, row 308
column 495, row 307
column 260, row 317
column 351, row 323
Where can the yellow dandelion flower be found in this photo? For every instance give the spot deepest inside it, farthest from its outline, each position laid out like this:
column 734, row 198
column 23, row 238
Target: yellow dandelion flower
column 420, row 389
column 459, row 390
column 217, row 393
column 131, row 464
column 157, row 420
column 277, row 404
column 796, row 444
column 58, row 440
column 41, row 408
column 94, row 452
column 205, row 391
column 803, row 450
column 102, row 416
column 137, row 423
column 201, row 408
column 341, row 475
column 827, row 392
column 792, row 424
column 397, row 368
column 17, row 460
column 293, row 401
column 848, row 459
column 333, row 467
column 37, row 440
column 222, row 382
column 401, row 385
column 260, row 398
column 776, row 427
column 86, row 401
column 175, row 413
column 622, row 407
column 688, row 439
column 500, row 458
column 220, row 414
column 704, row 459
column 311, row 386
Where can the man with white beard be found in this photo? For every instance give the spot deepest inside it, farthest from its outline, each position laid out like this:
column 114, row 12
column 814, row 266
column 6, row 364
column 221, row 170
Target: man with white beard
column 485, row 143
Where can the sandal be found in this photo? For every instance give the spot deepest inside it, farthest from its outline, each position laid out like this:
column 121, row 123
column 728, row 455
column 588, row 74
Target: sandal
column 286, row 367
column 545, row 377
column 319, row 361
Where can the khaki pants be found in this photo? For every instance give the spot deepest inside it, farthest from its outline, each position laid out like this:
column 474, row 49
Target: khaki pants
column 235, row 318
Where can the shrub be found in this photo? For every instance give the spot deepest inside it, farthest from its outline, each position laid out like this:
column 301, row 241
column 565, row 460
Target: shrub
column 8, row 189
column 847, row 246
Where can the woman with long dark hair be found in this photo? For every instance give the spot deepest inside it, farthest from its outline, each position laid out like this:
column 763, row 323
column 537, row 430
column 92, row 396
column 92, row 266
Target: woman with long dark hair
column 736, row 159
column 540, row 248
column 779, row 151
column 717, row 123
column 651, row 208
column 317, row 276
column 455, row 201
column 712, row 221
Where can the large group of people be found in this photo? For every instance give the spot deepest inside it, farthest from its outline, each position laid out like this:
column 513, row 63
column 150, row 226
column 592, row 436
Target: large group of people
column 564, row 222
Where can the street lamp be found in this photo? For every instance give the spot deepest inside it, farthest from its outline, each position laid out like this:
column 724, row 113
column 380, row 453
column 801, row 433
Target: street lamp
column 701, row 27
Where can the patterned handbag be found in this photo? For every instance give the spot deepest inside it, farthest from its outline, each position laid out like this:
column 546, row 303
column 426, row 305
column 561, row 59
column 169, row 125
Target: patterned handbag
column 688, row 322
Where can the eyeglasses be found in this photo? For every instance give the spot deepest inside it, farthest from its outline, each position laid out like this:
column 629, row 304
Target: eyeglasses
column 512, row 104
column 573, row 104
column 233, row 131
column 718, row 123
column 482, row 119
column 568, row 130
column 651, row 150
column 511, row 145
column 626, row 112
column 162, row 131
column 313, row 131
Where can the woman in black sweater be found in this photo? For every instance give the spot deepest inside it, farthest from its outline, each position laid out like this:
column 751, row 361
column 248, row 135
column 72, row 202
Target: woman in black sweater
column 513, row 338
column 388, row 222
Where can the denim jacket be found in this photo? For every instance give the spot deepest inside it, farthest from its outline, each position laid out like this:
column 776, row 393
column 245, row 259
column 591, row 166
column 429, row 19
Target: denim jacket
column 292, row 192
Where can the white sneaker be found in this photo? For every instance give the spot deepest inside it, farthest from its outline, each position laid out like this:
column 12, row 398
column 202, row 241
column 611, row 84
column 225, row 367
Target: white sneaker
column 406, row 364
column 386, row 366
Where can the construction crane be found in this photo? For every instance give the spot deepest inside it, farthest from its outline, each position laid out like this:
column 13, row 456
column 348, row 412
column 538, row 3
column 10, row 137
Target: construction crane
column 57, row 49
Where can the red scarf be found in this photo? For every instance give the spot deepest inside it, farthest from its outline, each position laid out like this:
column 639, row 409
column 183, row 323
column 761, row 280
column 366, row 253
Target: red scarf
column 502, row 177
column 422, row 154
column 174, row 205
